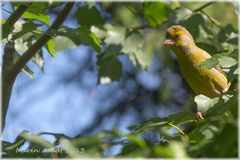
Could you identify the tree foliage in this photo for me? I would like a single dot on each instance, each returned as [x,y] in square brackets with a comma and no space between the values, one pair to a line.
[136,29]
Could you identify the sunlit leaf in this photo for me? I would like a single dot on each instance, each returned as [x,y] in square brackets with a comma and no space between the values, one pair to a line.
[50,47]
[204,103]
[41,17]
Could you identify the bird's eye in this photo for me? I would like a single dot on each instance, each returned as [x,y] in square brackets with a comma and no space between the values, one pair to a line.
[176,36]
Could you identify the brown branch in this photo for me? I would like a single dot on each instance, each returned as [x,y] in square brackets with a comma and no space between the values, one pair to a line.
[17,14]
[9,51]
[42,40]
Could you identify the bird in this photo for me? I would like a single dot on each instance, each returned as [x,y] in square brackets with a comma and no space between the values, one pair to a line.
[211,82]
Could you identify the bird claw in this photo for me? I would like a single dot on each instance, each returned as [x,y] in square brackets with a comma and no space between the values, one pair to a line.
[198,116]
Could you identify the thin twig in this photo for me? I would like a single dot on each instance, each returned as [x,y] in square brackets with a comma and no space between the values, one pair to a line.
[176,128]
[202,7]
[7,11]
[213,20]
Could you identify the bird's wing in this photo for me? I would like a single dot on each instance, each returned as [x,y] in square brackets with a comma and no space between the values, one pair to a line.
[217,67]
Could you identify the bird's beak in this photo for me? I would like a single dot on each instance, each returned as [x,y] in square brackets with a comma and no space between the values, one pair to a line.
[168,42]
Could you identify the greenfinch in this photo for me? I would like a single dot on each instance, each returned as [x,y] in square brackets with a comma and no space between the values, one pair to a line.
[209,82]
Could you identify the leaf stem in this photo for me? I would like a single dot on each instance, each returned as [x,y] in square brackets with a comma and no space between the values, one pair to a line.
[177,128]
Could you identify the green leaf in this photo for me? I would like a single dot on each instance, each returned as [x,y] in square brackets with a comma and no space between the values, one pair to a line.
[110,67]
[193,23]
[38,16]
[87,16]
[225,32]
[138,141]
[50,47]
[155,12]
[37,10]
[227,62]
[209,63]
[89,38]
[82,35]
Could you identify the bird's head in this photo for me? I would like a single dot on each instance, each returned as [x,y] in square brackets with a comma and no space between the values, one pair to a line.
[178,36]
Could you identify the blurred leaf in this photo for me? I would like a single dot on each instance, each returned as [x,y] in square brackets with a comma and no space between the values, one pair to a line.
[225,32]
[223,144]
[115,34]
[192,24]
[138,141]
[87,16]
[109,67]
[209,63]
[224,104]
[227,62]
[70,149]
[79,36]
[50,47]
[131,150]
[155,12]
[113,49]
[63,43]
[179,15]
[26,28]
[173,150]
[204,103]
[132,43]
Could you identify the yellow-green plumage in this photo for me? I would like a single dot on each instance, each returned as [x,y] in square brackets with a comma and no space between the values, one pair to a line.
[209,82]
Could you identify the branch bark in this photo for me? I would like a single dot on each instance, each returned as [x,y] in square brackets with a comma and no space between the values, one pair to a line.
[17,14]
[7,78]
[11,70]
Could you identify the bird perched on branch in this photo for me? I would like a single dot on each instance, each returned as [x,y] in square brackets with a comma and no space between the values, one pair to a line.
[209,82]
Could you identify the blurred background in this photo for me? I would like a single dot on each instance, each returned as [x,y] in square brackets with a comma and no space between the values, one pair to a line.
[70,94]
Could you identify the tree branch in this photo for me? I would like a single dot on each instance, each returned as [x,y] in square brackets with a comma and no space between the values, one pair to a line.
[9,51]
[16,68]
[17,14]
[202,7]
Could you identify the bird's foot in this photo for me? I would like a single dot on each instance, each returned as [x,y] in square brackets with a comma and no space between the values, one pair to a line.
[198,116]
